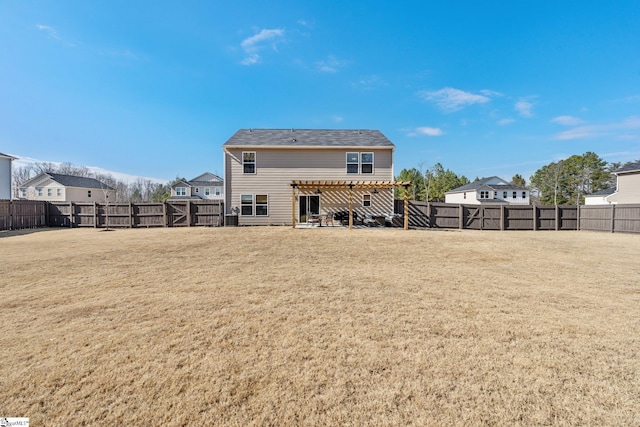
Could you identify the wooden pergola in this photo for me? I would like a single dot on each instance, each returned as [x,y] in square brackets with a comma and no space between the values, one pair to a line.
[349,185]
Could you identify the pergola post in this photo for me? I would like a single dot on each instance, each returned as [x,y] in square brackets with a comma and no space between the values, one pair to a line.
[350,206]
[406,207]
[293,205]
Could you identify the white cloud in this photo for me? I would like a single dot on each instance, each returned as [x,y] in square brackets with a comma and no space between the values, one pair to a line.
[567,120]
[491,93]
[50,31]
[524,108]
[425,131]
[505,122]
[338,119]
[450,99]
[592,131]
[369,83]
[265,38]
[330,65]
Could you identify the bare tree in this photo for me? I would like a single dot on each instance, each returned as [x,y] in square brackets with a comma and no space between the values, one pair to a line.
[20,175]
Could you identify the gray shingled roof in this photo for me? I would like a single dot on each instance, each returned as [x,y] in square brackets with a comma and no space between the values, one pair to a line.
[308,138]
[6,155]
[605,192]
[631,167]
[78,181]
[477,185]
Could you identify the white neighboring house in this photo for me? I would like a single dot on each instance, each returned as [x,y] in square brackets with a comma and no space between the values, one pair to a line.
[599,198]
[5,176]
[627,185]
[55,187]
[207,186]
[488,190]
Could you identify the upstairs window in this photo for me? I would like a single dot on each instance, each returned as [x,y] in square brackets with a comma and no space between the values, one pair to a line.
[484,194]
[218,191]
[24,192]
[181,191]
[197,190]
[504,194]
[207,191]
[515,194]
[248,162]
[359,163]
[366,162]
[39,189]
[49,192]
[88,193]
[524,194]
[59,192]
[352,163]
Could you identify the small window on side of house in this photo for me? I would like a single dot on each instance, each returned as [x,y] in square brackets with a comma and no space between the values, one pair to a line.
[366,200]
[504,194]
[515,194]
[197,190]
[88,193]
[218,191]
[24,192]
[207,191]
[59,192]
[39,190]
[49,192]
[524,194]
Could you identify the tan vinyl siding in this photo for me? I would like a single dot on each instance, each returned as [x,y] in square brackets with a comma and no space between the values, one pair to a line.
[276,168]
[628,190]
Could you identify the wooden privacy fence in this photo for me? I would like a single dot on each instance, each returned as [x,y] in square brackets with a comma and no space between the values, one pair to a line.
[180,213]
[612,218]
[18,214]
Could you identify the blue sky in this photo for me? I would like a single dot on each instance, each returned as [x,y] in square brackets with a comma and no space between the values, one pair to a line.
[154,88]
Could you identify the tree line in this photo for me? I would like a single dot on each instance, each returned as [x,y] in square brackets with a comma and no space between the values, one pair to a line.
[563,182]
[140,190]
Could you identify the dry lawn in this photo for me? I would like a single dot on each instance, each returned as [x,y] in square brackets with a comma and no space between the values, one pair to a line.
[274,326]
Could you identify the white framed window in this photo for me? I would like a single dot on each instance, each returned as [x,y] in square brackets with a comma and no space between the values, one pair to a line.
[515,194]
[524,194]
[504,194]
[464,196]
[88,193]
[24,192]
[249,162]
[207,191]
[197,190]
[218,191]
[352,163]
[39,190]
[49,192]
[495,194]
[366,163]
[484,194]
[59,192]
[366,200]
[181,191]
[246,205]
[262,205]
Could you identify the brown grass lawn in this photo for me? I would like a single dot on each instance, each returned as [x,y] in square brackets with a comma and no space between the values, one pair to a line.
[274,326]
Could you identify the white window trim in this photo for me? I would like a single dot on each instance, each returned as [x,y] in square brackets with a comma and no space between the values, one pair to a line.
[364,199]
[362,164]
[181,191]
[253,201]
[347,163]
[207,191]
[254,163]
[256,204]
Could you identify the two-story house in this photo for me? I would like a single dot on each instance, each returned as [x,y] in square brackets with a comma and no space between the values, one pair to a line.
[627,185]
[488,190]
[285,176]
[5,176]
[55,187]
[207,186]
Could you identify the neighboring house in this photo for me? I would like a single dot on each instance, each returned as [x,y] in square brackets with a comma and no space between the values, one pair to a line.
[627,185]
[264,166]
[599,198]
[5,176]
[55,187]
[488,190]
[206,186]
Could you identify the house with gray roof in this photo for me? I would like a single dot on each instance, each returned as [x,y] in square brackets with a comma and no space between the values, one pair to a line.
[487,191]
[627,190]
[207,186]
[55,187]
[285,176]
[5,176]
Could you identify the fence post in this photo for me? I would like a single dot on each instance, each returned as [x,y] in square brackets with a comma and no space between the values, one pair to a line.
[70,214]
[188,213]
[164,213]
[10,214]
[502,218]
[577,217]
[130,215]
[557,217]
[460,217]
[95,214]
[535,218]
[613,218]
